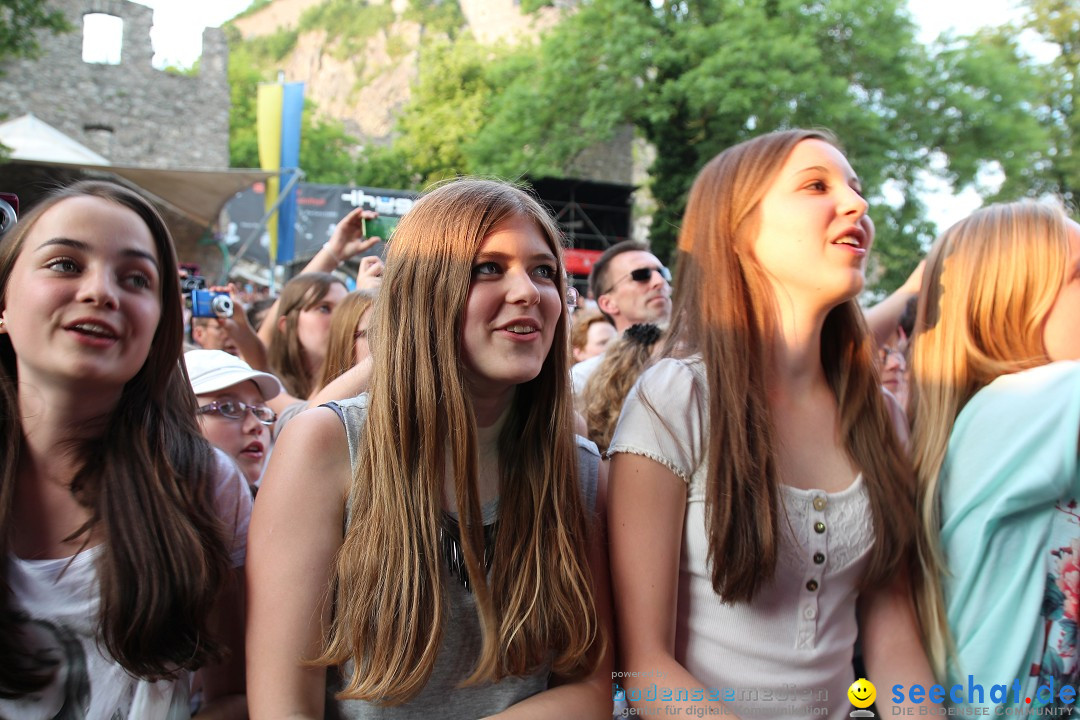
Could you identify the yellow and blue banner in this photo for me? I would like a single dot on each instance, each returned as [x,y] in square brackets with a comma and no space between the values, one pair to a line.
[279,108]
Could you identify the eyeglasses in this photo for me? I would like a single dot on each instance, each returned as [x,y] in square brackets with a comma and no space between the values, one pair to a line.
[572,296]
[641,275]
[887,351]
[234,410]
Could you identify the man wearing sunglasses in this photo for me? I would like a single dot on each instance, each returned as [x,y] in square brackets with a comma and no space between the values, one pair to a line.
[630,286]
[232,409]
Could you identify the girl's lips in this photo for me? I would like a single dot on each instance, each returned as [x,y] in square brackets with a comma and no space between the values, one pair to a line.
[93,326]
[522,329]
[519,337]
[92,332]
[91,340]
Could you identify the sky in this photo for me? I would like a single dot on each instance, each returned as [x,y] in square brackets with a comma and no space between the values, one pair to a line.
[178,26]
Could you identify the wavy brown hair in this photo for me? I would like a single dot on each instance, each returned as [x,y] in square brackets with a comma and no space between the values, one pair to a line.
[538,605]
[147,481]
[990,282]
[341,349]
[724,310]
[606,389]
[286,355]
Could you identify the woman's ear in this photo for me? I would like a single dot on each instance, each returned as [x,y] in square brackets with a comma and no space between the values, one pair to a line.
[281,322]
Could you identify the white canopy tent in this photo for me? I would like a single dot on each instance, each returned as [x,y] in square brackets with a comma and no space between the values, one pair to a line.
[196,195]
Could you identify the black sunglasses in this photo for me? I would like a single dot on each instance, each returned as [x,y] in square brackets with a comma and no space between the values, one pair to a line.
[641,275]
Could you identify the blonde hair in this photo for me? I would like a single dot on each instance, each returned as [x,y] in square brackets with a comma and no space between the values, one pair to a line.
[341,349]
[724,309]
[538,605]
[989,284]
[606,389]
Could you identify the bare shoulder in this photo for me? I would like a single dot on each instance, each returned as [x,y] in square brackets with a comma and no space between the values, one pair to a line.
[311,457]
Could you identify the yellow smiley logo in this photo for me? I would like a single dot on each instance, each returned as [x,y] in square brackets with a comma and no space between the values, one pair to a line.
[862,693]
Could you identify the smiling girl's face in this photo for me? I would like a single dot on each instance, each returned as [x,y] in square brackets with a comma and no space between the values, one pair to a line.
[84,298]
[513,307]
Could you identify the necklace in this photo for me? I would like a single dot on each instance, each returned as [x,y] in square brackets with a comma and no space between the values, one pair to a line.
[450,539]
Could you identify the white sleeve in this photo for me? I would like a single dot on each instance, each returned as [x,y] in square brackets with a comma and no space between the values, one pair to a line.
[663,418]
[232,499]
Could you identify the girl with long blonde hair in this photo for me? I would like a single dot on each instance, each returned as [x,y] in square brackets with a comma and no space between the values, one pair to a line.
[995,404]
[471,568]
[347,345]
[756,470]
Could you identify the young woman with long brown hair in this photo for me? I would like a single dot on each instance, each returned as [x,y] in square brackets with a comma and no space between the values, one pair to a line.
[121,529]
[301,330]
[347,345]
[470,572]
[757,478]
[995,404]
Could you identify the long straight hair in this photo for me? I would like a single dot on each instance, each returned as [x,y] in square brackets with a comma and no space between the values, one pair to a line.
[538,605]
[341,348]
[147,482]
[989,283]
[724,310]
[286,355]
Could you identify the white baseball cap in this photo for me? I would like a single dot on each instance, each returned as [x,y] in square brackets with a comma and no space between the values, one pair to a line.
[213,370]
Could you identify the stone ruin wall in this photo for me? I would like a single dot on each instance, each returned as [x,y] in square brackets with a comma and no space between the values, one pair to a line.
[131,113]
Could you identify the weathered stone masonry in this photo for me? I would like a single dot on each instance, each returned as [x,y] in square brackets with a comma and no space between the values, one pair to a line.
[131,113]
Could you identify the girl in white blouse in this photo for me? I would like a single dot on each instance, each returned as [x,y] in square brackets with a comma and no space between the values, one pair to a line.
[759,492]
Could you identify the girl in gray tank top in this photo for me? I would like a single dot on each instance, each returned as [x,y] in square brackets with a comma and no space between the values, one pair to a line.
[437,543]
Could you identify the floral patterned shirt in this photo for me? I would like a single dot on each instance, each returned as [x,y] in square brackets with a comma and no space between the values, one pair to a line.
[1011,536]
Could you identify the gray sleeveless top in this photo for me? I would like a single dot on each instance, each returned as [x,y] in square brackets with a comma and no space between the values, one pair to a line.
[460,648]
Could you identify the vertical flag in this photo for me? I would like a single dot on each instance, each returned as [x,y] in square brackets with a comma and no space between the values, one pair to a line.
[292,109]
[279,108]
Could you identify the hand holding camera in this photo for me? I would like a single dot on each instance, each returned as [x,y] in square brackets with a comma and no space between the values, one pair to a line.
[350,237]
[211,304]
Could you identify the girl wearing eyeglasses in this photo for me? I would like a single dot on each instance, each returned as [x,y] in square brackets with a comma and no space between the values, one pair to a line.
[756,471]
[122,532]
[437,540]
[233,413]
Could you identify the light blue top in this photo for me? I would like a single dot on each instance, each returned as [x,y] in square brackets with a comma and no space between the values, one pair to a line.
[1011,533]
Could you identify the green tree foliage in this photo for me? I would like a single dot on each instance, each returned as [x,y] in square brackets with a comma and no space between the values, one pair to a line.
[693,79]
[696,77]
[1058,22]
[348,23]
[327,152]
[438,16]
[449,107]
[999,105]
[20,21]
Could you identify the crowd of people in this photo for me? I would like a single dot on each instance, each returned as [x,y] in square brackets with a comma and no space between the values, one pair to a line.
[459,491]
